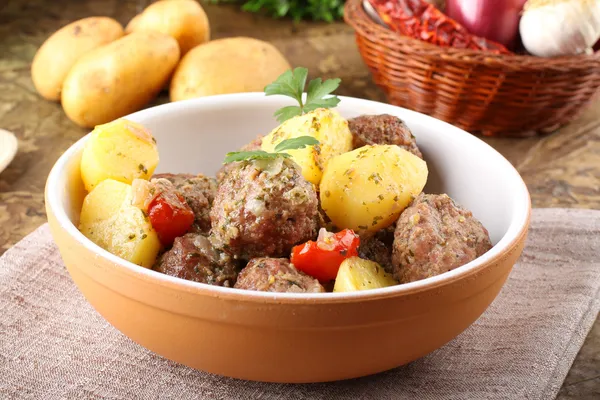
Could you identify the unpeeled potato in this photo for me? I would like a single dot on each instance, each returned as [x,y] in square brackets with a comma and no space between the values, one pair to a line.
[119,78]
[184,20]
[57,55]
[109,220]
[121,150]
[230,65]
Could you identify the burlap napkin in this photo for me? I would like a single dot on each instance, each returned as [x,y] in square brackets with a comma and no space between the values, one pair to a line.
[54,345]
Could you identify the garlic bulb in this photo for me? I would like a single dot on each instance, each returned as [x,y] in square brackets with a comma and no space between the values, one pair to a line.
[552,28]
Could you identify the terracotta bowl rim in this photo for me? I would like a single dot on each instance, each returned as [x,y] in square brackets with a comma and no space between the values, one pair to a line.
[515,233]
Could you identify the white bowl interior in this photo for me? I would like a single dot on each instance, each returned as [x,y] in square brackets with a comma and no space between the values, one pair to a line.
[193,136]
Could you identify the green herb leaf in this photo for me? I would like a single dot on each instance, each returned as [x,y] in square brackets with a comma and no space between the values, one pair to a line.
[251,155]
[317,89]
[288,144]
[292,83]
[330,102]
[296,143]
[285,113]
[324,10]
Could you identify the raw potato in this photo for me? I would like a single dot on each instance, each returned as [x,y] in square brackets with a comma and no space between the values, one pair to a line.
[185,20]
[230,65]
[121,150]
[59,52]
[367,189]
[109,220]
[358,274]
[327,126]
[119,78]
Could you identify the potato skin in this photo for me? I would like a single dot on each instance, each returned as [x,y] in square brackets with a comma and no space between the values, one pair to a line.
[367,189]
[327,126]
[118,78]
[121,150]
[57,55]
[230,65]
[109,220]
[184,20]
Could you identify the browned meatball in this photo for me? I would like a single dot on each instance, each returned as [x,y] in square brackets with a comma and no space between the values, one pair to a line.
[276,275]
[193,258]
[375,249]
[199,193]
[435,235]
[252,146]
[263,208]
[382,129]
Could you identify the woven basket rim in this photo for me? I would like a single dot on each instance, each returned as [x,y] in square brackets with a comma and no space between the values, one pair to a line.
[360,21]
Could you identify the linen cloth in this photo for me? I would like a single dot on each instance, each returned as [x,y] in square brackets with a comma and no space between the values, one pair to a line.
[53,344]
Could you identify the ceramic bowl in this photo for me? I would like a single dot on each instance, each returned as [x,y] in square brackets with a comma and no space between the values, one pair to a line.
[284,337]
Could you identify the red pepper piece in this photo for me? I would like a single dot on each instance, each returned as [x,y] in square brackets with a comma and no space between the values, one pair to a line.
[322,259]
[421,20]
[170,216]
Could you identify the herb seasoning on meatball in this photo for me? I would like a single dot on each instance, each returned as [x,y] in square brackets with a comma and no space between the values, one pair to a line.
[193,258]
[373,248]
[264,208]
[199,193]
[382,129]
[435,235]
[276,275]
[252,146]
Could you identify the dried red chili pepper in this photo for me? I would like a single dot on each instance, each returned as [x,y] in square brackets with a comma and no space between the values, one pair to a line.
[421,20]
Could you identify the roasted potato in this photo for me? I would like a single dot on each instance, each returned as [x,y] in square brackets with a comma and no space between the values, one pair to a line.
[184,20]
[109,220]
[121,150]
[57,55]
[327,126]
[230,65]
[118,78]
[367,189]
[358,274]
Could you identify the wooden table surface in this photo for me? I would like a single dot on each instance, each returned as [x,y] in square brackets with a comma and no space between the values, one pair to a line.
[561,169]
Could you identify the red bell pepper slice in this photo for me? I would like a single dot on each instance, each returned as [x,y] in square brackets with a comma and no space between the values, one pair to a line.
[321,259]
[170,216]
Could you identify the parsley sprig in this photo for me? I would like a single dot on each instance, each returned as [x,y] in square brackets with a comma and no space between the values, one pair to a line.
[299,142]
[292,84]
[325,10]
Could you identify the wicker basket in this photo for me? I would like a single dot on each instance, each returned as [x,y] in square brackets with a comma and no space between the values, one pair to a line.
[484,93]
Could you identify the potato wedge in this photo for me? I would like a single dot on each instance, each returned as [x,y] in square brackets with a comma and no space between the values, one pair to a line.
[230,65]
[327,126]
[109,220]
[367,189]
[121,150]
[184,20]
[119,78]
[57,55]
[358,274]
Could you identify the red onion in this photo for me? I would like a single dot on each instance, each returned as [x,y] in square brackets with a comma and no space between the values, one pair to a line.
[496,20]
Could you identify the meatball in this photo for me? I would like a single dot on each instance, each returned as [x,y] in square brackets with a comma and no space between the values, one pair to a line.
[382,129]
[199,193]
[375,249]
[193,258]
[435,235]
[263,208]
[276,275]
[252,146]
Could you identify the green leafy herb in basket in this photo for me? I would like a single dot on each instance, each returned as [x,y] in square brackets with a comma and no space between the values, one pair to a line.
[323,10]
